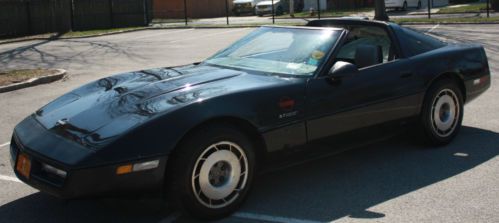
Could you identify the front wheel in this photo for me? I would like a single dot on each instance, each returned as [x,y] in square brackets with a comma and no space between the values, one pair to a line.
[212,171]
[442,112]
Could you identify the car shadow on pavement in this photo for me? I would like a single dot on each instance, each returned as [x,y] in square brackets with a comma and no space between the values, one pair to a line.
[40,207]
[344,185]
[347,184]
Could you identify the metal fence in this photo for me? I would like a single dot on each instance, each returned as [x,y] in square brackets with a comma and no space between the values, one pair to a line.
[28,17]
[229,12]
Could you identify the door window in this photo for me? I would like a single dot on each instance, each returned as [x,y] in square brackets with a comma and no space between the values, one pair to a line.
[366,36]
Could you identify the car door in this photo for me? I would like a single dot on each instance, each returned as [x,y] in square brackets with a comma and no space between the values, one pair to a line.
[372,95]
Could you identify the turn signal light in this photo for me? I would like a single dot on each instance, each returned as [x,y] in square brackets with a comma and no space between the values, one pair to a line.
[124,169]
[128,168]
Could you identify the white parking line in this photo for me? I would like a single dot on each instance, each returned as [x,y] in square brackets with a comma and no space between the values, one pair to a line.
[277,219]
[9,178]
[212,34]
[5,144]
[433,28]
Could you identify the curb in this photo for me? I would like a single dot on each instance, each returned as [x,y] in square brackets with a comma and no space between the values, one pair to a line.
[34,81]
[448,23]
[452,13]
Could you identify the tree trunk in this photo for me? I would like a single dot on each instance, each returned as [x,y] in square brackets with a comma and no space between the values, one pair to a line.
[380,10]
[292,8]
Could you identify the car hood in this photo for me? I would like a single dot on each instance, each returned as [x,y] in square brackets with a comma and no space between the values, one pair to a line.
[125,100]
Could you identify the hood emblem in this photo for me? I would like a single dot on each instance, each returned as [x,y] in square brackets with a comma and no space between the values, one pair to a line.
[61,122]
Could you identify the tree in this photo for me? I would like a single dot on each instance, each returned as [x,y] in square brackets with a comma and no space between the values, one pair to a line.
[380,10]
[292,8]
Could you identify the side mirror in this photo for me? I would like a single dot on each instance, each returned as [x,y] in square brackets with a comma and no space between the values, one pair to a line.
[341,69]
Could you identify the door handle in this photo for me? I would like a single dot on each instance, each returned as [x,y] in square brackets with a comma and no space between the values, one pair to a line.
[406,75]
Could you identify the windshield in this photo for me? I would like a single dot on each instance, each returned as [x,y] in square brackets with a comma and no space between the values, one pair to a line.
[292,51]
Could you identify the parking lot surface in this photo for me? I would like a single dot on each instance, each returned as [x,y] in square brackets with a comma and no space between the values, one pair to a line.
[393,181]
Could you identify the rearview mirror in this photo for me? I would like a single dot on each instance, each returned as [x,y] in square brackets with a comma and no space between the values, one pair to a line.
[341,69]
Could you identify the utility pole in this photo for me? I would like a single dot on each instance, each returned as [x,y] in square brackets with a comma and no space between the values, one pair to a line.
[319,9]
[185,12]
[273,14]
[111,17]
[146,13]
[227,11]
[429,9]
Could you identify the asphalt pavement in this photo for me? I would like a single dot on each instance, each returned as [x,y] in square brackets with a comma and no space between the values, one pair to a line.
[393,181]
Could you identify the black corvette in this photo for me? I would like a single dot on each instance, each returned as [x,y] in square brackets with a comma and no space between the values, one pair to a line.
[198,132]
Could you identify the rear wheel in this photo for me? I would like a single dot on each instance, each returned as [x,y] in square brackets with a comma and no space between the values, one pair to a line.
[442,112]
[211,172]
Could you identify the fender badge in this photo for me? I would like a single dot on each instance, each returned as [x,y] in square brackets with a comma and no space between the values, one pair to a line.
[288,115]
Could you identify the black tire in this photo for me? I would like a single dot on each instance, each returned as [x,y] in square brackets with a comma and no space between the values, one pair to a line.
[442,112]
[404,7]
[184,189]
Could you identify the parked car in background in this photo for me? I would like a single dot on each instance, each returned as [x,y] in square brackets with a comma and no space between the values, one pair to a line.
[280,7]
[402,4]
[244,6]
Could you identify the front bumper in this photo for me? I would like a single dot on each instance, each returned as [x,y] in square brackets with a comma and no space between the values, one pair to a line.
[84,181]
[264,10]
[393,5]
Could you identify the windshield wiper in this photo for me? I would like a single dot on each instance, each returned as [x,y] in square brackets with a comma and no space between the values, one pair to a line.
[178,72]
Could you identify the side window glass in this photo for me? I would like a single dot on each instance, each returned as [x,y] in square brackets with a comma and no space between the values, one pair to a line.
[366,36]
